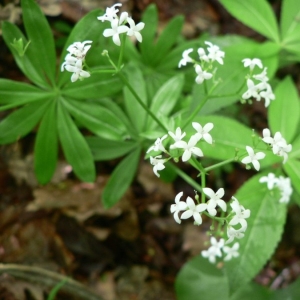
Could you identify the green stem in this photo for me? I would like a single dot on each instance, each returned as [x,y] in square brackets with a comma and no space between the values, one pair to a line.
[185,177]
[123,42]
[140,101]
[203,183]
[215,166]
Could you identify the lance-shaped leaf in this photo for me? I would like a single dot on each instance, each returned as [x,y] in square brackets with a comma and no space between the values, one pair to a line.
[76,149]
[292,168]
[21,121]
[26,63]
[97,119]
[256,14]
[45,148]
[265,227]
[121,179]
[41,49]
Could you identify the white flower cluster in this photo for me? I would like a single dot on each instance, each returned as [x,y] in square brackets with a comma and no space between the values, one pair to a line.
[189,148]
[118,24]
[214,54]
[215,250]
[283,183]
[260,89]
[253,158]
[75,58]
[278,144]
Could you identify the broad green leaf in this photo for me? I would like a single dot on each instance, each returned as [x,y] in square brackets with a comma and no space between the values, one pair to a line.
[26,63]
[256,14]
[150,19]
[284,111]
[167,39]
[265,227]
[21,121]
[295,153]
[103,149]
[121,179]
[252,291]
[88,28]
[41,48]
[199,279]
[76,149]
[135,111]
[96,86]
[14,93]
[45,148]
[165,99]
[292,168]
[97,119]
[289,21]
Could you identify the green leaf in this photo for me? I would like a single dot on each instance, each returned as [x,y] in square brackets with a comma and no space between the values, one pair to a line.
[150,19]
[165,99]
[97,119]
[135,111]
[292,168]
[199,279]
[121,179]
[45,148]
[289,21]
[252,290]
[41,48]
[295,153]
[284,111]
[103,149]
[88,28]
[26,63]
[21,121]
[96,86]
[265,226]
[14,93]
[167,39]
[256,14]
[76,149]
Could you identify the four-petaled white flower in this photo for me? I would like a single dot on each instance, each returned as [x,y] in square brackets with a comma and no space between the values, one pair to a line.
[76,69]
[262,76]
[201,75]
[231,252]
[268,95]
[194,210]
[203,132]
[214,250]
[251,63]
[252,91]
[234,233]
[202,55]
[158,164]
[214,53]
[189,148]
[271,180]
[158,146]
[79,49]
[110,13]
[253,158]
[134,30]
[115,31]
[178,206]
[177,136]
[215,200]
[240,214]
[185,58]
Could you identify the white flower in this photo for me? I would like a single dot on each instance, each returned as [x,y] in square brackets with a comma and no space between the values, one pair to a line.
[177,136]
[214,53]
[185,58]
[253,158]
[215,200]
[194,210]
[231,252]
[110,14]
[262,76]
[115,30]
[234,233]
[189,148]
[214,250]
[285,188]
[158,164]
[268,95]
[158,146]
[79,49]
[252,91]
[134,29]
[271,180]
[202,75]
[203,132]
[252,63]
[178,206]
[240,214]
[78,73]
[202,55]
